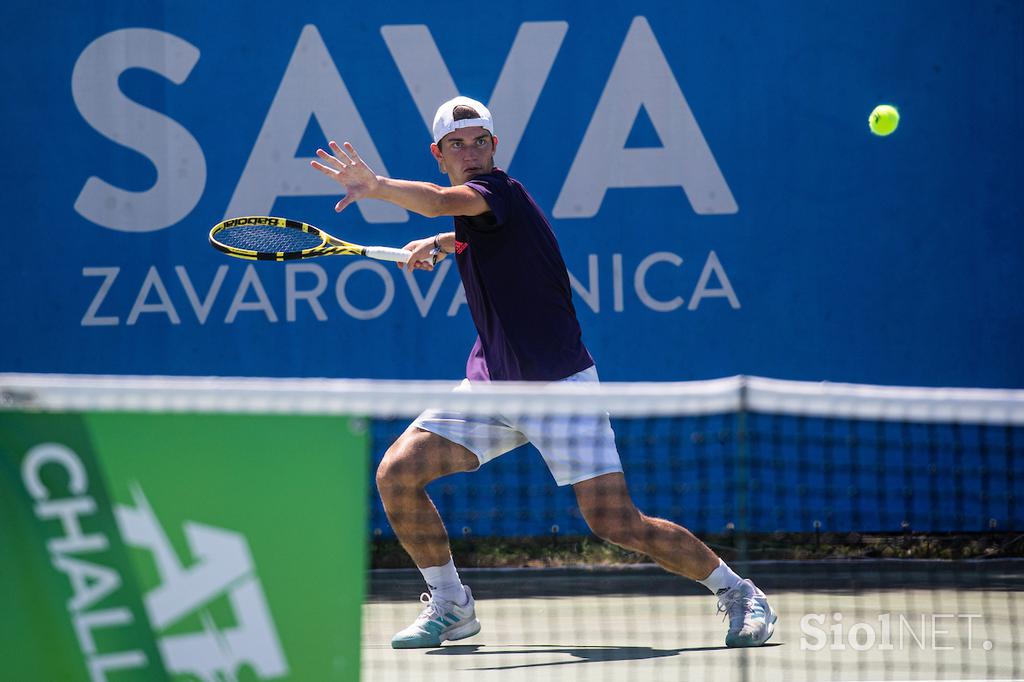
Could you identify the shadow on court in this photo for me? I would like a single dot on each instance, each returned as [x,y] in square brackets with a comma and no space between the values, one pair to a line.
[580,654]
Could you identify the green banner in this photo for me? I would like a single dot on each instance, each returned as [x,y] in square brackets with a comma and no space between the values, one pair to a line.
[182,547]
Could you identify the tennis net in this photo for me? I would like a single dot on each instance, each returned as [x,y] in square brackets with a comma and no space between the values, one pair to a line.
[883,523]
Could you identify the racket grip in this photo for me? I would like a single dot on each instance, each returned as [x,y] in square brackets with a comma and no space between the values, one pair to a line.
[388,253]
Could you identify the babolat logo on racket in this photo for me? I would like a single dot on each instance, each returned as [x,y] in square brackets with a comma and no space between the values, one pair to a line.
[252,220]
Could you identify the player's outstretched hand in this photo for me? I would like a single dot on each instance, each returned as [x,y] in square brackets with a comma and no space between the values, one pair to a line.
[424,255]
[348,170]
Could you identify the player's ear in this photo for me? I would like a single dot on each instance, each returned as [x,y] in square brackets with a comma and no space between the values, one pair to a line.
[436,151]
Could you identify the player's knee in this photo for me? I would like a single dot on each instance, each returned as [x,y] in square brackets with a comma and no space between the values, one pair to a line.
[396,471]
[403,467]
[385,476]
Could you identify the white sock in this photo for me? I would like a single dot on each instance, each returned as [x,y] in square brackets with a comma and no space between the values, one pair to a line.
[722,578]
[444,583]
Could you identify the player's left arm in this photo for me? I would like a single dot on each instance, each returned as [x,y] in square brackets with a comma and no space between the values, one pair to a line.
[430,200]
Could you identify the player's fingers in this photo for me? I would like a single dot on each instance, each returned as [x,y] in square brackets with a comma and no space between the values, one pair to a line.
[341,152]
[340,206]
[352,153]
[333,162]
[330,172]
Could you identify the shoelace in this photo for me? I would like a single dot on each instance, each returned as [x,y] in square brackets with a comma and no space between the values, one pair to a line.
[432,610]
[732,604]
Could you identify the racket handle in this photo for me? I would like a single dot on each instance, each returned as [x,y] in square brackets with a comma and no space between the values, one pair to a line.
[388,253]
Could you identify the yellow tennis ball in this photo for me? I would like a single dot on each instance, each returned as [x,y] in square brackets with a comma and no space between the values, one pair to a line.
[884,119]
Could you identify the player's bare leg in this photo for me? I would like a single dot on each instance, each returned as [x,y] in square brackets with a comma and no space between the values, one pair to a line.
[608,508]
[417,458]
[609,511]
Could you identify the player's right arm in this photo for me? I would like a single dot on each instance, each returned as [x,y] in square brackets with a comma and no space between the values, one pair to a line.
[429,251]
[430,200]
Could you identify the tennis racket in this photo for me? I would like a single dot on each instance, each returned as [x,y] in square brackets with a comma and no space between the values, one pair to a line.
[269,238]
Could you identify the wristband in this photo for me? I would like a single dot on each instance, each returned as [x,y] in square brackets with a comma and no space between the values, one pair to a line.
[436,250]
[437,245]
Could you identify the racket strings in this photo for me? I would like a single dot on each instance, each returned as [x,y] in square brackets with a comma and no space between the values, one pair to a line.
[267,238]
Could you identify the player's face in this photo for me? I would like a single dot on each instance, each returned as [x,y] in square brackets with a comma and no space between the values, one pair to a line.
[465,153]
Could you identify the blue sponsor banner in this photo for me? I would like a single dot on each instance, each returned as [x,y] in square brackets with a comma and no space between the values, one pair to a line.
[707,167]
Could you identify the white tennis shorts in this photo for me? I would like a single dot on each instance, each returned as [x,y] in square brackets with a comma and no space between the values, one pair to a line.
[575,448]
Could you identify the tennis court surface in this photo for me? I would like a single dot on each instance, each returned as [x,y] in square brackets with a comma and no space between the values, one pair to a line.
[911,620]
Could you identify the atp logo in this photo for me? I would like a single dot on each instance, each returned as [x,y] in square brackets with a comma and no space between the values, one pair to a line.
[223,567]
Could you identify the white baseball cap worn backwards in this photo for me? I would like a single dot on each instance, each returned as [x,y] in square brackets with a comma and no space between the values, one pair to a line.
[444,119]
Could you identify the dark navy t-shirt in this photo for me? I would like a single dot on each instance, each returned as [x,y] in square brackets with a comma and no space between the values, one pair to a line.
[517,288]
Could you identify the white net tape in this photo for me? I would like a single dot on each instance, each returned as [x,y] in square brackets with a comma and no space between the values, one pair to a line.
[63,392]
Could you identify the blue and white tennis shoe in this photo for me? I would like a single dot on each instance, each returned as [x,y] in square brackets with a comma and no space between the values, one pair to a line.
[751,619]
[441,620]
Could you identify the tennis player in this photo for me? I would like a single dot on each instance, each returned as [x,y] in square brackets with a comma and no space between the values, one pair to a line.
[517,288]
